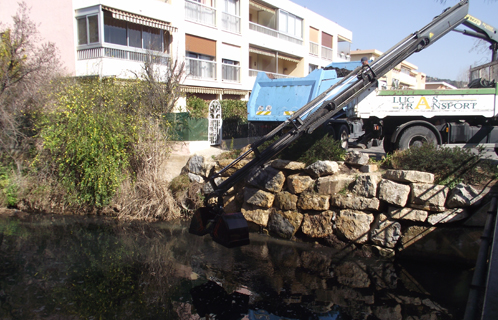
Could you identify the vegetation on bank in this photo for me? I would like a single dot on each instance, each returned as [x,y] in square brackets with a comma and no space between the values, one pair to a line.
[92,145]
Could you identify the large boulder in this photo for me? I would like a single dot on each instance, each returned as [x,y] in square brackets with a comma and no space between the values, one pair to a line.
[287,165]
[463,195]
[286,201]
[322,168]
[350,201]
[448,216]
[334,184]
[298,183]
[356,158]
[394,193]
[409,176]
[430,197]
[354,225]
[255,214]
[258,197]
[385,232]
[311,201]
[285,223]
[318,225]
[366,185]
[268,178]
[407,214]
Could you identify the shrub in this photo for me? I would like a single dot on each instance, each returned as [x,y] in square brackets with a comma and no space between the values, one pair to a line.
[449,165]
[234,109]
[197,107]
[8,187]
[86,139]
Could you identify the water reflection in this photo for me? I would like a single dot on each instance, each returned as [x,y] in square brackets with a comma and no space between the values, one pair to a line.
[91,268]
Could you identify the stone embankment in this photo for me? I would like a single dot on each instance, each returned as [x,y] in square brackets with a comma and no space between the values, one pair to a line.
[352,202]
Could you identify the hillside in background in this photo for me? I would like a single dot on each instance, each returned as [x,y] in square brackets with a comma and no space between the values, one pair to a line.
[458,84]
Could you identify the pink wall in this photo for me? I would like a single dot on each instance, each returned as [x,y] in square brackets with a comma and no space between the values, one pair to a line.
[55,19]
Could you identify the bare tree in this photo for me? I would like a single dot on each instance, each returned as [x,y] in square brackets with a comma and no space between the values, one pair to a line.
[26,65]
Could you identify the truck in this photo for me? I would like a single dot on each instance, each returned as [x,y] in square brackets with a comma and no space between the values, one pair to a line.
[398,119]
[231,229]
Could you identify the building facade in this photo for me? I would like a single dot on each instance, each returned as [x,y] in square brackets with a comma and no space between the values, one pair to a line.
[403,76]
[224,43]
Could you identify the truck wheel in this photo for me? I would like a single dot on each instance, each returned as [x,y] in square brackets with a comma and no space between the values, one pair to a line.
[387,144]
[415,137]
[342,135]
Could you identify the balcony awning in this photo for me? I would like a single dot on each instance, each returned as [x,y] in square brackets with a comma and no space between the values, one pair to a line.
[262,7]
[263,52]
[192,89]
[295,60]
[342,38]
[135,18]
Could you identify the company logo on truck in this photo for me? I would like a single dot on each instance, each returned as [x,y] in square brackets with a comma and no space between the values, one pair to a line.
[434,103]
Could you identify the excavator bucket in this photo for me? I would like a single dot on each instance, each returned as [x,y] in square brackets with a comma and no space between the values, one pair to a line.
[201,221]
[231,230]
[228,229]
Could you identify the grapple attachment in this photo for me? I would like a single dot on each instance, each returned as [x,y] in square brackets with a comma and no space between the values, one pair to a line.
[228,229]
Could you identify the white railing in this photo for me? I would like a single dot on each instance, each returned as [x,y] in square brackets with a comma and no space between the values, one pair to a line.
[274,33]
[271,75]
[314,48]
[202,69]
[200,13]
[230,73]
[230,23]
[103,52]
[327,53]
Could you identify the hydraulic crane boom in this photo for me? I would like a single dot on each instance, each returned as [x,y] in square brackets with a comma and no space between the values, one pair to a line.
[483,31]
[230,230]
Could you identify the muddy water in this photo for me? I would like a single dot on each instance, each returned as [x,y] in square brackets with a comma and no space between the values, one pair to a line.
[61,267]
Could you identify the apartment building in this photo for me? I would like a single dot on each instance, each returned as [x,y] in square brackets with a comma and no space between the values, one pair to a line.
[403,76]
[224,43]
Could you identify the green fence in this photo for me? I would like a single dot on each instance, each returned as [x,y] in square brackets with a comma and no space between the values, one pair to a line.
[186,128]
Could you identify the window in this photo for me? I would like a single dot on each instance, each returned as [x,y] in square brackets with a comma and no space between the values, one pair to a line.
[134,35]
[232,7]
[88,29]
[290,24]
[312,67]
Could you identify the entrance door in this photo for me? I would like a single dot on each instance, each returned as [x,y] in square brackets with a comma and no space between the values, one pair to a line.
[215,123]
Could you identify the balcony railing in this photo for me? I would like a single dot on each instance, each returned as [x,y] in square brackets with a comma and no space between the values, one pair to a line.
[105,52]
[201,69]
[230,22]
[200,13]
[230,73]
[271,75]
[327,53]
[274,33]
[314,48]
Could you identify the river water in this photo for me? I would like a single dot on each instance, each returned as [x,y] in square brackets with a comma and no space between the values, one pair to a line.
[70,267]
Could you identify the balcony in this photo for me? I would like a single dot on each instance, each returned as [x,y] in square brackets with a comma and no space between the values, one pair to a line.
[314,48]
[274,33]
[133,55]
[200,69]
[230,23]
[327,53]
[200,13]
[230,73]
[271,75]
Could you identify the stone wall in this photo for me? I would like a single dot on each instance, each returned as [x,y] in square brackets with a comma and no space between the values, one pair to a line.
[353,202]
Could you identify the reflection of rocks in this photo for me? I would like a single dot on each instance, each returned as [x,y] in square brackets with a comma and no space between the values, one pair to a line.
[352,274]
[384,276]
[388,313]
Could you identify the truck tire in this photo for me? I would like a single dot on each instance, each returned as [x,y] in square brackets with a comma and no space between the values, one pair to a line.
[387,144]
[342,135]
[416,136]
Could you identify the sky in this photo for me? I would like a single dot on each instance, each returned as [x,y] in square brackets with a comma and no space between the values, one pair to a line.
[382,24]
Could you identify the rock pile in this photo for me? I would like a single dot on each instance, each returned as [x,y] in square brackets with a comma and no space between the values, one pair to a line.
[389,210]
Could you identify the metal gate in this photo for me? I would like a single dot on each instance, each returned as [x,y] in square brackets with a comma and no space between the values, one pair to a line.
[215,123]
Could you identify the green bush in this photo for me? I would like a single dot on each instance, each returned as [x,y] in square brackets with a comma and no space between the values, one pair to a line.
[8,187]
[449,165]
[197,107]
[310,148]
[86,139]
[234,109]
